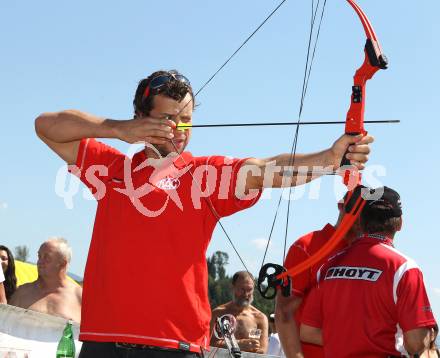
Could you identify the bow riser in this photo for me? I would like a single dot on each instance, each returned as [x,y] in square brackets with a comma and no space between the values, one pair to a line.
[373,62]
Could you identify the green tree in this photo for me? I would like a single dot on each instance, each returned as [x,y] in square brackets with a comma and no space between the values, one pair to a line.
[216,265]
[218,282]
[264,305]
[21,253]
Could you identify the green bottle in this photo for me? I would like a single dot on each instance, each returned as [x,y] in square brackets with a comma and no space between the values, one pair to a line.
[66,345]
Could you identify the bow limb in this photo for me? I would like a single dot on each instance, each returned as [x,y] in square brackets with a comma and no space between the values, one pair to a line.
[374,61]
[353,207]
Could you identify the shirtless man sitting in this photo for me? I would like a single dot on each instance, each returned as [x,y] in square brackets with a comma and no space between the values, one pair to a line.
[249,319]
[52,293]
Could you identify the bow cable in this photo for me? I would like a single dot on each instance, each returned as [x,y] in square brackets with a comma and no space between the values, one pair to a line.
[208,201]
[306,77]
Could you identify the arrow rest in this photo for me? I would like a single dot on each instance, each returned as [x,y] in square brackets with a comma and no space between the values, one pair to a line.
[268,283]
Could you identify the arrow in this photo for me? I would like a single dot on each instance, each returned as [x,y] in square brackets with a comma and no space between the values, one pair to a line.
[183,126]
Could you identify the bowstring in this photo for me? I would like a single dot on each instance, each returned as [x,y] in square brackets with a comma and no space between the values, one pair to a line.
[211,208]
[240,47]
[208,201]
[307,71]
[305,86]
[232,55]
[306,78]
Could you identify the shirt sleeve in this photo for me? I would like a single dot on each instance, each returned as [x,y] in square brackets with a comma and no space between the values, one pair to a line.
[312,313]
[226,191]
[413,307]
[94,163]
[302,282]
[2,275]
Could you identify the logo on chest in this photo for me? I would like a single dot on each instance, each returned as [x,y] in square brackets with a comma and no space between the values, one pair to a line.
[353,273]
[168,183]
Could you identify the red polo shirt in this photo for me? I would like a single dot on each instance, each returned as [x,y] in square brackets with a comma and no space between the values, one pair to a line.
[146,276]
[303,283]
[368,295]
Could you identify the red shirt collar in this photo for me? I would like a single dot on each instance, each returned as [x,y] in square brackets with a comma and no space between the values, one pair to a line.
[179,161]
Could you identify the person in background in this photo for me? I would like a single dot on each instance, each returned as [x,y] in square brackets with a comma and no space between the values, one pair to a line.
[8,268]
[52,293]
[2,288]
[252,327]
[433,351]
[289,309]
[274,346]
[370,300]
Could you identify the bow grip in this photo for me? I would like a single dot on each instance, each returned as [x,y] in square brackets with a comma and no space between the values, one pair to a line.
[344,160]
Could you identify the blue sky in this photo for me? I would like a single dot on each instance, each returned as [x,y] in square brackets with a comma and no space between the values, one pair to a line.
[90,56]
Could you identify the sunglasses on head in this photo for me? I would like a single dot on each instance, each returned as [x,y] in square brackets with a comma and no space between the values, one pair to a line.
[161,80]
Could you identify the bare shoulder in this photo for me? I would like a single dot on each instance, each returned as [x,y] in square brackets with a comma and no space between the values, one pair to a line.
[73,285]
[22,291]
[258,314]
[78,291]
[222,309]
[75,289]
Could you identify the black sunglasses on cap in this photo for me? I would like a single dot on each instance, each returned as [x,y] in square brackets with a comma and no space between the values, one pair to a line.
[161,80]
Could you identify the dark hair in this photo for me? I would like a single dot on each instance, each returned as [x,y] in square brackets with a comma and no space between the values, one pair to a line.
[10,278]
[432,344]
[241,274]
[173,89]
[373,222]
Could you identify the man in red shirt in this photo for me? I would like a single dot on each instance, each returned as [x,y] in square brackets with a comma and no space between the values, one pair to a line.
[289,309]
[142,203]
[370,300]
